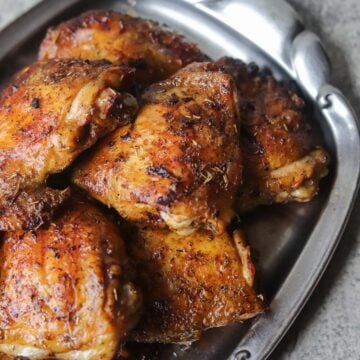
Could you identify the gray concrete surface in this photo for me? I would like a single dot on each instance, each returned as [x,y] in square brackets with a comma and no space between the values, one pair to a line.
[329,326]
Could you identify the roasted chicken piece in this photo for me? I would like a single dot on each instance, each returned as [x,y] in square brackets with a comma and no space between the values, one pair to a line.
[281,163]
[155,52]
[180,163]
[51,112]
[192,283]
[64,291]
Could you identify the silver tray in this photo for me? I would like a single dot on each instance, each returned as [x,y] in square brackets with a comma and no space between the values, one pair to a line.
[295,241]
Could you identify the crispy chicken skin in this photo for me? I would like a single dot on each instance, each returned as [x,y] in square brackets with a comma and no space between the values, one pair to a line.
[154,51]
[192,283]
[280,162]
[63,288]
[180,164]
[51,112]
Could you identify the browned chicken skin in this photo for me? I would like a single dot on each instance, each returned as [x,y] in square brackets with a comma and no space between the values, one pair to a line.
[180,164]
[192,283]
[63,288]
[51,112]
[154,51]
[280,162]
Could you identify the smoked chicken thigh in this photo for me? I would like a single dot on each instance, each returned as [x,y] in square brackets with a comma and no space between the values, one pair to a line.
[64,291]
[281,163]
[180,163]
[192,283]
[154,51]
[49,113]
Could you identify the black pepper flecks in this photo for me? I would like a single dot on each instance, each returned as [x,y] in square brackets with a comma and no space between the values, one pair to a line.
[35,103]
[167,199]
[160,171]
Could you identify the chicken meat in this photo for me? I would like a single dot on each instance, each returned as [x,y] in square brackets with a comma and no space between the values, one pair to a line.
[64,288]
[180,163]
[51,112]
[281,161]
[192,283]
[154,51]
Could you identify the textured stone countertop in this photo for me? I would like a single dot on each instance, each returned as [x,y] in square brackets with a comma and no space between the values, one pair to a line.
[329,326]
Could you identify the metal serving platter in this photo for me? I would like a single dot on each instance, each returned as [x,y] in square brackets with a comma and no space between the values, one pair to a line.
[296,241]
